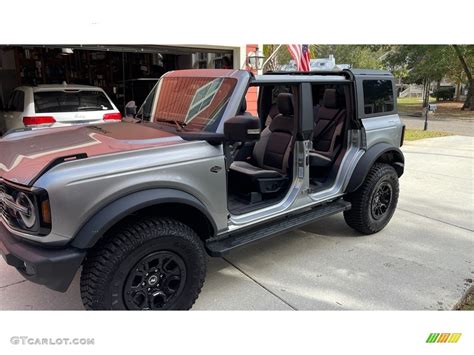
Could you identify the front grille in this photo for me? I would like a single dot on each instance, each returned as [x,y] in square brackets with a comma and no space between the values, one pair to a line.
[6,213]
[2,205]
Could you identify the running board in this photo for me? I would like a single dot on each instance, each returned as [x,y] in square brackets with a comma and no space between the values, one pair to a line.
[223,244]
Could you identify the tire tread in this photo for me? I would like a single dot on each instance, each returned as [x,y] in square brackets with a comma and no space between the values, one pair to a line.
[102,260]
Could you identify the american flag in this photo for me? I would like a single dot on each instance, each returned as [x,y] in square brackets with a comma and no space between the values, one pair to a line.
[300,54]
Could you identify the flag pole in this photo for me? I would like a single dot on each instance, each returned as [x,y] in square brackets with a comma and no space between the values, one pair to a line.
[271,56]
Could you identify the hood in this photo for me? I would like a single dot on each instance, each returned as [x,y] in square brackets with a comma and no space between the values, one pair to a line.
[24,156]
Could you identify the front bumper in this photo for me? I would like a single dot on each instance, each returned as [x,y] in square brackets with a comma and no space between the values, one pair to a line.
[53,268]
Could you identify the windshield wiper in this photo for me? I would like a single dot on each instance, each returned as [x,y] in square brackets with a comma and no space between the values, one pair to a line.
[89,108]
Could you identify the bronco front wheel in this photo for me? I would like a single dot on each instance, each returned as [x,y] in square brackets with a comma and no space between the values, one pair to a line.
[153,264]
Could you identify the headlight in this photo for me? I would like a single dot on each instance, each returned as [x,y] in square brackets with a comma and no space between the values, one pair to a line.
[26,210]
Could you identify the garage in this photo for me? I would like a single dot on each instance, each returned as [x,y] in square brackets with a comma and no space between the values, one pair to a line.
[125,72]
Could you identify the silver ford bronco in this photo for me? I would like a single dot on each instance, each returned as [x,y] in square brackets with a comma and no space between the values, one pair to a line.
[138,204]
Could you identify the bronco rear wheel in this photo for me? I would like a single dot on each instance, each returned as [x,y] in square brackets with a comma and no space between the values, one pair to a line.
[374,203]
[153,264]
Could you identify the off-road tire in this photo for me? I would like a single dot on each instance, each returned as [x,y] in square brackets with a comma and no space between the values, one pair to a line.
[114,258]
[360,216]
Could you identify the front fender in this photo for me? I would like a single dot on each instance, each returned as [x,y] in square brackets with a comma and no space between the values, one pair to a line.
[379,152]
[111,214]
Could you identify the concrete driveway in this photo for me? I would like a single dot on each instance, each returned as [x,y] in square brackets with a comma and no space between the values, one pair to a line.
[462,126]
[422,260]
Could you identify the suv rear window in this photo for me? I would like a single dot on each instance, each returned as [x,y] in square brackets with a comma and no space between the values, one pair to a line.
[378,96]
[70,101]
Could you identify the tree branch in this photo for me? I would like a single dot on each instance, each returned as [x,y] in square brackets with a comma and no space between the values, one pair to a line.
[463,62]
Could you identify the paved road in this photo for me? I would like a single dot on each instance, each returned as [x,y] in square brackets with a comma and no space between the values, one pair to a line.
[464,127]
[420,261]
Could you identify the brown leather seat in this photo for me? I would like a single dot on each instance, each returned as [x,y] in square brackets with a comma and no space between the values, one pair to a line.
[329,124]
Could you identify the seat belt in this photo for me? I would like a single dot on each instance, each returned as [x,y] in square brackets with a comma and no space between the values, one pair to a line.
[328,126]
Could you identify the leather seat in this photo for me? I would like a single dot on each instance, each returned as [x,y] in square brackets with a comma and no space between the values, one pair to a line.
[268,170]
[328,129]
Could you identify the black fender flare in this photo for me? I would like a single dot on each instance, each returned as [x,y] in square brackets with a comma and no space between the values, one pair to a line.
[115,211]
[376,152]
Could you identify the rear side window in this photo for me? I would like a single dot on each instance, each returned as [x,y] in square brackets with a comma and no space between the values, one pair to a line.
[71,101]
[17,101]
[378,96]
[147,106]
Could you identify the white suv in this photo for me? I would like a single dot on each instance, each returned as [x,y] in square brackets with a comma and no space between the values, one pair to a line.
[56,106]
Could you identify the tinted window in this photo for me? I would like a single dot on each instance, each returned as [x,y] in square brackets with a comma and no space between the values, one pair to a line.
[10,101]
[147,106]
[378,96]
[17,101]
[20,101]
[71,101]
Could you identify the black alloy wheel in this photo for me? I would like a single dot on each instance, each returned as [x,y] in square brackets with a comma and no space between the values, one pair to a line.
[155,282]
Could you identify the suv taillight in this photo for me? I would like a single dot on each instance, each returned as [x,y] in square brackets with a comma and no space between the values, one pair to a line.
[113,116]
[38,120]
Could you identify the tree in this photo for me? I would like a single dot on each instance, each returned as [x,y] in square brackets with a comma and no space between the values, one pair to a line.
[273,64]
[357,56]
[421,64]
[465,54]
[282,56]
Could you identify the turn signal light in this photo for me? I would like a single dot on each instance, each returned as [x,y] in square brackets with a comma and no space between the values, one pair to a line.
[46,212]
[38,120]
[113,116]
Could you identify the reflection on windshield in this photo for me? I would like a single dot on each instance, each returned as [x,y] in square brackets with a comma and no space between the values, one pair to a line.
[194,102]
[202,99]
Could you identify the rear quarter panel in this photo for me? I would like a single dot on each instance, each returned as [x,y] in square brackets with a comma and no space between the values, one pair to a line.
[383,129]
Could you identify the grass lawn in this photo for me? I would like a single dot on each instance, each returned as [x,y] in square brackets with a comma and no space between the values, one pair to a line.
[467,304]
[415,134]
[412,105]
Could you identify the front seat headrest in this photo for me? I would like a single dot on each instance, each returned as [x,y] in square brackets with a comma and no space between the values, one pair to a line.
[330,98]
[285,104]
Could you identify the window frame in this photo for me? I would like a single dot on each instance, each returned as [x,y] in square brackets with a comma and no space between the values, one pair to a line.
[361,94]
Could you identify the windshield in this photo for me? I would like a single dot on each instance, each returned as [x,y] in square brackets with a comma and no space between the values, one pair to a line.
[193,103]
[70,101]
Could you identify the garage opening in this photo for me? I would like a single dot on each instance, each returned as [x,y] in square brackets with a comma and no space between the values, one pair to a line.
[125,73]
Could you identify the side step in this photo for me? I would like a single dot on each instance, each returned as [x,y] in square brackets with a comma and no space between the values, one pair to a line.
[225,243]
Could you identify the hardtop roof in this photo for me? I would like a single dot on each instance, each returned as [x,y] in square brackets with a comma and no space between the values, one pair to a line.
[340,72]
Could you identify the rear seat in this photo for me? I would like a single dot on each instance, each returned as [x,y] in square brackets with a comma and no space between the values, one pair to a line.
[328,128]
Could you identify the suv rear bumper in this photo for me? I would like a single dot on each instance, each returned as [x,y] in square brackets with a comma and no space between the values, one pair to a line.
[53,268]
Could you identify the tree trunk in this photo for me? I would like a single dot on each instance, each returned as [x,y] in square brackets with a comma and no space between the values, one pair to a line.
[469,103]
[426,92]
[458,89]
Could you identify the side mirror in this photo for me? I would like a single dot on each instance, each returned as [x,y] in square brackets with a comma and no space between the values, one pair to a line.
[130,109]
[242,129]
